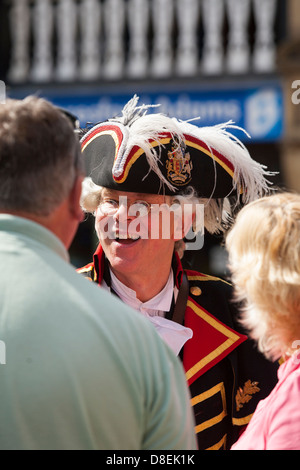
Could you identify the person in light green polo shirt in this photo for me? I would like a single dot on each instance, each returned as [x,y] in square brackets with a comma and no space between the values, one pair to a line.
[82,370]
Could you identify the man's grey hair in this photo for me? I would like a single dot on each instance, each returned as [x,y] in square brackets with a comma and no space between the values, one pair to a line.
[216,213]
[39,156]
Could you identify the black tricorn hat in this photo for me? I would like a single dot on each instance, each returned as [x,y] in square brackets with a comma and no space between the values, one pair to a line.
[156,154]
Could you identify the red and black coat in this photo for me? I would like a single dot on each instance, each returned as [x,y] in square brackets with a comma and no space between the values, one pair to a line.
[226,374]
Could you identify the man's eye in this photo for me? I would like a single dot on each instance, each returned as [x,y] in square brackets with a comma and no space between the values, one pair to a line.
[140,208]
[108,205]
[112,202]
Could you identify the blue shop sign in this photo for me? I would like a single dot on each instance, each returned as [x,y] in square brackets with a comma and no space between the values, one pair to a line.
[258,109]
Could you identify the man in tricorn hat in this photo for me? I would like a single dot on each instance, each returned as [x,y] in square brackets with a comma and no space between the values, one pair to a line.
[150,178]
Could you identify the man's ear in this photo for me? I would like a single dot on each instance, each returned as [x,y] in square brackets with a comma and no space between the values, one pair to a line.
[74,199]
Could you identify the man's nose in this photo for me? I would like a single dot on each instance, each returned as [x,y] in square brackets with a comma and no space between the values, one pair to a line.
[122,212]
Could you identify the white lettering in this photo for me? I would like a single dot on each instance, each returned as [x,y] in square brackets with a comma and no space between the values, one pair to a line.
[170,459]
[2,352]
[115,460]
[167,222]
[296,94]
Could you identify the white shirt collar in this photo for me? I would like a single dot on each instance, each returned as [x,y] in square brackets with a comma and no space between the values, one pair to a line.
[172,333]
[156,306]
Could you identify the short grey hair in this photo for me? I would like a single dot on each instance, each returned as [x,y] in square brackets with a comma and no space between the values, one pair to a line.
[39,156]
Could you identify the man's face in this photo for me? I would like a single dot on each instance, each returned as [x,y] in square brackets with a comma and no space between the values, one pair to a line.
[135,230]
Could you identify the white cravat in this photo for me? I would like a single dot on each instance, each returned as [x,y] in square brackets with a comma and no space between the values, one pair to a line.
[173,334]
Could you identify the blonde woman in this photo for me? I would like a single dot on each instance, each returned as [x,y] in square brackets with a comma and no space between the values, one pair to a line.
[264,257]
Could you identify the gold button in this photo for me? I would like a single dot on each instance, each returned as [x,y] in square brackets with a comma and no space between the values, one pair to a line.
[195,290]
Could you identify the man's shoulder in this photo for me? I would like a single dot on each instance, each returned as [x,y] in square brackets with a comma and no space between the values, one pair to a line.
[214,294]
[209,284]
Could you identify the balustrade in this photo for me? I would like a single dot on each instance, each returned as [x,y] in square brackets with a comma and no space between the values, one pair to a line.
[82,40]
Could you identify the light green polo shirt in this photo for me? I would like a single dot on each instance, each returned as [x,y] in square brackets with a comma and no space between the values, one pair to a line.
[83,370]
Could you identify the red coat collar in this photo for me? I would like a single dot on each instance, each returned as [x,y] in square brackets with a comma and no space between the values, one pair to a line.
[99,258]
[211,342]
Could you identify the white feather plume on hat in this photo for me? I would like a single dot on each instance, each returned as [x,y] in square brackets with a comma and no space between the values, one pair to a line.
[249,175]
[249,179]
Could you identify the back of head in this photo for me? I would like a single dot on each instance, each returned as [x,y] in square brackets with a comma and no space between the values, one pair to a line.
[39,156]
[264,257]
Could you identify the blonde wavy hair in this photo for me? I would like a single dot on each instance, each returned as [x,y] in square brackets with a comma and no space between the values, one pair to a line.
[264,259]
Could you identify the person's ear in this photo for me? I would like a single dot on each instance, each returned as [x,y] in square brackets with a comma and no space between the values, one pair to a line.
[74,198]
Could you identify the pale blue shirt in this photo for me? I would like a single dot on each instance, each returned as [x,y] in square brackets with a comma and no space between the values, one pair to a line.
[83,370]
